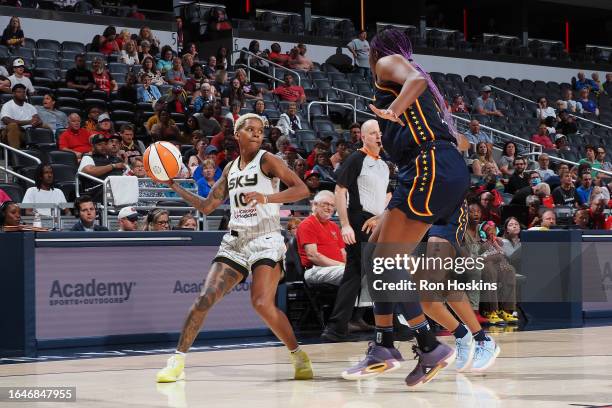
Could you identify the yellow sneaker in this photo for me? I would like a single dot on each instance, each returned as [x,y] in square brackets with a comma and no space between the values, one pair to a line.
[508,317]
[493,318]
[173,370]
[302,366]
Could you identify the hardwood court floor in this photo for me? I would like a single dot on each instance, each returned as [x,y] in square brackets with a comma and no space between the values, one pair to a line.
[555,368]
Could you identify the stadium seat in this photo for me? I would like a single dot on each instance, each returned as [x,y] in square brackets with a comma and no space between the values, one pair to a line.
[4,52]
[129,116]
[322,125]
[64,101]
[24,52]
[30,43]
[52,54]
[15,191]
[118,68]
[63,173]
[48,44]
[40,138]
[120,105]
[73,46]
[17,161]
[63,157]
[89,102]
[70,110]
[36,100]
[45,63]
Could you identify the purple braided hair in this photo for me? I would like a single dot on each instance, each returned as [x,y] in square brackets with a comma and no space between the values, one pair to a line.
[393,41]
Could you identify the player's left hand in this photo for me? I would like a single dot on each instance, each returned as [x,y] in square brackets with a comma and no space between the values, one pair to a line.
[370,224]
[387,114]
[254,198]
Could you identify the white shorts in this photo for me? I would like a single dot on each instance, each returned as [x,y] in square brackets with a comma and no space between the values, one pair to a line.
[244,254]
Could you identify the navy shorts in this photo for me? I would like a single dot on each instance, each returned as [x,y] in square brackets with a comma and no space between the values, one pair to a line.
[454,230]
[433,185]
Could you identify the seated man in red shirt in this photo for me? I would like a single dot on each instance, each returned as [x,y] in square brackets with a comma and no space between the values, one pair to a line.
[276,56]
[542,137]
[320,243]
[75,138]
[288,91]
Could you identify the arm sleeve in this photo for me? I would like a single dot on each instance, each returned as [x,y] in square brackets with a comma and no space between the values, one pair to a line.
[348,171]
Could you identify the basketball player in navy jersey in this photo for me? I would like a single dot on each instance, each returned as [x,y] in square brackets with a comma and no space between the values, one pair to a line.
[419,135]
[253,245]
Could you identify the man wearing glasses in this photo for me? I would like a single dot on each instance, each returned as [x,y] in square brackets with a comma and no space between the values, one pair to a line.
[601,159]
[128,219]
[485,105]
[320,243]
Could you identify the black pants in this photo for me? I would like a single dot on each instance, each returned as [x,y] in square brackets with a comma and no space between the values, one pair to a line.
[351,280]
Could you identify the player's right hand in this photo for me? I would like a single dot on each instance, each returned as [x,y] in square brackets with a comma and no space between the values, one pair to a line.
[348,235]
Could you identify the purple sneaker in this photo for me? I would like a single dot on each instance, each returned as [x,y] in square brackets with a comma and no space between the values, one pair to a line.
[430,364]
[378,360]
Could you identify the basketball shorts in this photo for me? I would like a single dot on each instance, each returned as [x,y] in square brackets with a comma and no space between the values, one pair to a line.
[454,230]
[246,253]
[433,185]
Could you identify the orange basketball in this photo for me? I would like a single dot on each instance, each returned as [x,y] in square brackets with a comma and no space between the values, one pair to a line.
[162,161]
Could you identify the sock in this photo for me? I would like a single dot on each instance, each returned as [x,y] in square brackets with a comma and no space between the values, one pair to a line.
[424,337]
[180,353]
[384,336]
[296,350]
[460,331]
[480,335]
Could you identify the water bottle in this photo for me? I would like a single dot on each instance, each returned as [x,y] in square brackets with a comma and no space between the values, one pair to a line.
[37,220]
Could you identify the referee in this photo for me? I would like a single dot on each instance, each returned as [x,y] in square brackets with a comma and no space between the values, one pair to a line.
[364,177]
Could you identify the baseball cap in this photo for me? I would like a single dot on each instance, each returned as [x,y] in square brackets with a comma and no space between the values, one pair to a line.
[559,136]
[103,117]
[310,173]
[291,149]
[115,136]
[18,62]
[485,88]
[98,138]
[129,213]
[211,149]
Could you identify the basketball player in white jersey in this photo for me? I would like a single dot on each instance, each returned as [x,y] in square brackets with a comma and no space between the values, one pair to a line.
[253,245]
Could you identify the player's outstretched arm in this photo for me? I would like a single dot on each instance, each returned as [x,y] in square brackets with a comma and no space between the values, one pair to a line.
[275,167]
[218,194]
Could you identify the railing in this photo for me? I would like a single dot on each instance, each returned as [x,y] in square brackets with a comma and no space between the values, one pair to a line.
[274,65]
[534,102]
[56,212]
[8,171]
[327,104]
[355,110]
[104,193]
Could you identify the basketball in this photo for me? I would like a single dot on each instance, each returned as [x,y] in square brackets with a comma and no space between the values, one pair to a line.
[162,161]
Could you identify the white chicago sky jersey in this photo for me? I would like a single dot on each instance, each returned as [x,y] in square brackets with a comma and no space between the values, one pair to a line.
[247,220]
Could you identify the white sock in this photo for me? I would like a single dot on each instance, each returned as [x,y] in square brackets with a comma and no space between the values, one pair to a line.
[179,353]
[296,350]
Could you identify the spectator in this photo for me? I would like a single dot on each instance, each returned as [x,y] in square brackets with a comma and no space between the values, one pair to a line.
[128,149]
[153,120]
[175,75]
[355,134]
[129,53]
[259,109]
[13,36]
[543,111]
[292,225]
[289,92]
[360,48]
[207,124]
[489,211]
[597,218]
[459,106]
[289,122]
[52,118]
[177,100]
[519,178]
[192,50]
[590,159]
[567,124]
[164,64]
[549,220]
[79,77]
[75,139]
[584,83]
[542,137]
[506,162]
[250,90]
[483,155]
[472,245]
[10,214]
[196,81]
[195,136]
[165,129]
[276,56]
[105,126]
[340,61]
[102,77]
[217,22]
[191,127]
[534,187]
[311,178]
[320,243]
[205,97]
[324,167]
[100,165]
[598,88]
[187,222]
[561,143]
[511,242]
[222,61]
[43,192]
[226,132]
[148,67]
[274,136]
[187,63]
[581,218]
[18,76]
[543,170]
[338,157]
[235,109]
[601,159]
[148,92]
[298,59]
[158,220]
[209,153]
[572,105]
[129,91]
[16,116]
[234,93]
[91,123]
[588,105]
[208,178]
[475,135]
[85,210]
[128,219]
[583,192]
[108,41]
[145,51]
[601,186]
[607,86]
[300,167]
[135,14]
[146,35]
[485,104]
